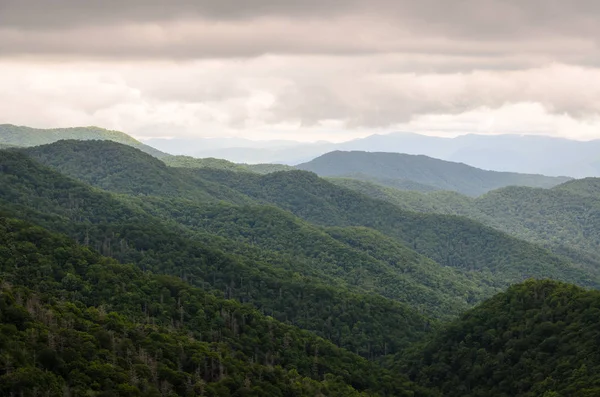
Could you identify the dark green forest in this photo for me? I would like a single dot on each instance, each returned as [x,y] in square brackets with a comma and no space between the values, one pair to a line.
[122,275]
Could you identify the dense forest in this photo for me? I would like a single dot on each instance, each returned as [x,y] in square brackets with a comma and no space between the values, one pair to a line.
[72,321]
[564,219]
[122,274]
[539,338]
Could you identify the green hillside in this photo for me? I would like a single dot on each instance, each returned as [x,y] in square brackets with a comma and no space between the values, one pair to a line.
[74,322]
[540,338]
[125,169]
[585,186]
[395,169]
[122,227]
[192,162]
[564,219]
[491,258]
[26,136]
[473,249]
[358,259]
[123,276]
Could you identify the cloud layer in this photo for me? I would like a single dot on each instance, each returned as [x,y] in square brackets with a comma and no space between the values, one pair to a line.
[314,67]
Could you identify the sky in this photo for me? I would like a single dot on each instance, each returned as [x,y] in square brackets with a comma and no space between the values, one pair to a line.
[302,70]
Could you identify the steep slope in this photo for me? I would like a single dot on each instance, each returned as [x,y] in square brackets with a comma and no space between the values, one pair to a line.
[27,136]
[442,175]
[540,338]
[119,226]
[73,322]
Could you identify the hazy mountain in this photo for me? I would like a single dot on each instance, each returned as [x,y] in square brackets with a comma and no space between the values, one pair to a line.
[512,153]
[25,137]
[227,148]
[393,169]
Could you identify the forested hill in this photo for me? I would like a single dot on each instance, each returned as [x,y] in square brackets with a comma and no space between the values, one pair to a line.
[280,284]
[565,219]
[472,249]
[27,136]
[192,162]
[457,242]
[122,276]
[75,323]
[540,338]
[124,169]
[585,186]
[394,169]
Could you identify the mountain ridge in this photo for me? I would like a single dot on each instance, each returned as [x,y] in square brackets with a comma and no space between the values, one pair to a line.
[387,167]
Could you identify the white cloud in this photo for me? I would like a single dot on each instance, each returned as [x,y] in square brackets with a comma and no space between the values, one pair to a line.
[298,97]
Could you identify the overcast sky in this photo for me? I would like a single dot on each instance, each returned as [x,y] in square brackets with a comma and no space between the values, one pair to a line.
[305,70]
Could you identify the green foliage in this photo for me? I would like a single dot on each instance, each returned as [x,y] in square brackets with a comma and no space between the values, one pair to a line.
[192,162]
[267,168]
[540,338]
[395,169]
[565,219]
[359,259]
[124,169]
[378,186]
[125,228]
[489,256]
[74,322]
[584,187]
[286,284]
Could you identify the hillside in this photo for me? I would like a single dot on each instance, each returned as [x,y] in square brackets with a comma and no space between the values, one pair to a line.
[359,259]
[564,219]
[392,169]
[75,322]
[125,169]
[490,257]
[130,277]
[468,246]
[585,186]
[123,228]
[27,136]
[539,338]
[211,162]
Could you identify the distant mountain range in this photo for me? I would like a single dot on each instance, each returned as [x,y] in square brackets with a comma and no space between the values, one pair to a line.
[511,153]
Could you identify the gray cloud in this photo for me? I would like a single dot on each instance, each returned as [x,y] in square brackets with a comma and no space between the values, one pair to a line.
[187,29]
[252,64]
